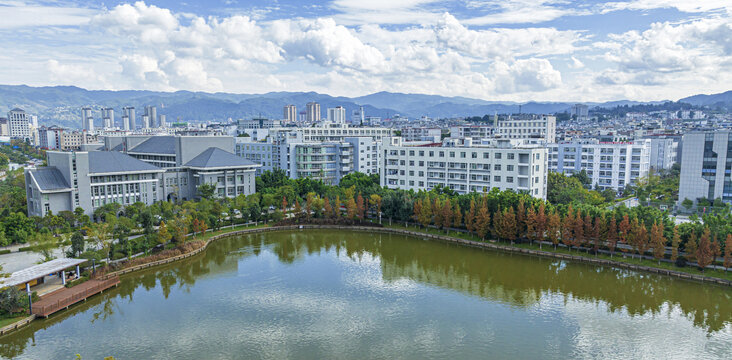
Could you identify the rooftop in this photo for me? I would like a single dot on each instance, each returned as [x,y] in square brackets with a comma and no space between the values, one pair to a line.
[214,157]
[156,145]
[37,271]
[49,179]
[102,162]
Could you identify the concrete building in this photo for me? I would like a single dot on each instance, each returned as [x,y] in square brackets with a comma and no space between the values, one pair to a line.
[108,118]
[706,166]
[338,132]
[475,132]
[540,127]
[90,180]
[50,137]
[313,112]
[337,115]
[87,119]
[72,140]
[422,134]
[19,124]
[131,123]
[290,113]
[609,165]
[464,166]
[358,117]
[580,112]
[664,153]
[152,116]
[366,154]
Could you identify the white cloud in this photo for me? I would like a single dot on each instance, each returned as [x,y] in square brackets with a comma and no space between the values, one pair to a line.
[576,63]
[16,15]
[681,5]
[73,74]
[521,11]
[525,76]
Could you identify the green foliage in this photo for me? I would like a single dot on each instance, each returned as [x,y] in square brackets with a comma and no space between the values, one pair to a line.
[207,191]
[77,243]
[44,243]
[563,189]
[12,300]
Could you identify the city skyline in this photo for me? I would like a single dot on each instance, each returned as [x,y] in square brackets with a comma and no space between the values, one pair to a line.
[504,51]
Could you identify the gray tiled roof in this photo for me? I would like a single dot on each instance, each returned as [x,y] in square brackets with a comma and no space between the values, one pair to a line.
[49,178]
[111,162]
[156,145]
[214,157]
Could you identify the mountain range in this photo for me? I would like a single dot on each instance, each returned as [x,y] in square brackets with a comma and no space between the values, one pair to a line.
[60,105]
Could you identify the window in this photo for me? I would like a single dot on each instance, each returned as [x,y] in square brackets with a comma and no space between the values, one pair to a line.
[496,178]
[497,167]
[498,156]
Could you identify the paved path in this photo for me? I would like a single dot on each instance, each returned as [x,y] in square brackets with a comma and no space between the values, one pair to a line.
[20,260]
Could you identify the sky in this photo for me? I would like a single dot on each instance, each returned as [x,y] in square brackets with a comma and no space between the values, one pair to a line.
[503,50]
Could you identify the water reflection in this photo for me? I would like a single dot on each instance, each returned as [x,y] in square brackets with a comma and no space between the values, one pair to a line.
[516,281]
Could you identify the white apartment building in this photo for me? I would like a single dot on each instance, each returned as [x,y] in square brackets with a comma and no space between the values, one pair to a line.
[465,167]
[19,124]
[532,127]
[87,119]
[422,134]
[366,153]
[609,165]
[664,152]
[290,113]
[475,132]
[706,166]
[337,115]
[337,132]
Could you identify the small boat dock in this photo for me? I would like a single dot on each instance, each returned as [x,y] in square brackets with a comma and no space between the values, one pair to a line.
[65,297]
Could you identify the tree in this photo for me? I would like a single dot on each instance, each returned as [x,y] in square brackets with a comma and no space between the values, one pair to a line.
[704,254]
[728,252]
[337,207]
[510,225]
[437,212]
[298,209]
[309,205]
[351,208]
[639,237]
[541,223]
[596,230]
[178,230]
[567,228]
[624,234]
[446,215]
[578,231]
[207,191]
[658,242]
[284,204]
[376,203]
[77,243]
[612,236]
[457,216]
[360,207]
[588,230]
[521,218]
[425,212]
[100,234]
[553,228]
[531,233]
[687,204]
[163,234]
[470,217]
[11,300]
[675,244]
[328,209]
[44,243]
[691,248]
[482,221]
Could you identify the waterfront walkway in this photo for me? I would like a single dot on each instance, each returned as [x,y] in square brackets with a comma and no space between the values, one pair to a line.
[65,297]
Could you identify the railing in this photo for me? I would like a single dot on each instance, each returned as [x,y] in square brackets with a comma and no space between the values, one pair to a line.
[46,309]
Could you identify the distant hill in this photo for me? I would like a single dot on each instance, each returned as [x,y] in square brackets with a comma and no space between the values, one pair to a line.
[60,104]
[723,100]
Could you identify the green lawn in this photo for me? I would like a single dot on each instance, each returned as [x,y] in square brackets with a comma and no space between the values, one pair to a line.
[9,320]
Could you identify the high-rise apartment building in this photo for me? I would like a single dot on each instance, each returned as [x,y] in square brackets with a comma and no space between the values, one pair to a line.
[313,111]
[108,118]
[152,116]
[706,166]
[337,115]
[18,124]
[129,111]
[290,113]
[87,119]
[580,112]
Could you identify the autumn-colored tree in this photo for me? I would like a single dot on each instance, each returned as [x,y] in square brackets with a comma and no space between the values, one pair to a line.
[284,205]
[639,237]
[531,233]
[446,215]
[691,247]
[376,203]
[437,212]
[553,228]
[596,230]
[521,218]
[298,209]
[417,210]
[588,230]
[425,214]
[328,209]
[482,222]
[567,228]
[457,216]
[203,227]
[360,207]
[624,234]
[675,244]
[728,252]
[337,207]
[351,209]
[195,226]
[612,235]
[658,241]
[309,199]
[509,224]
[163,234]
[716,250]
[470,217]
[541,222]
[704,254]
[579,231]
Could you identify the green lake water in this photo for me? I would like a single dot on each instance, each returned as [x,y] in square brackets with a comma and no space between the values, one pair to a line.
[326,294]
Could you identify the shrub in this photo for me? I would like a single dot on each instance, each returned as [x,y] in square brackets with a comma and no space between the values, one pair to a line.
[6,251]
[680,261]
[25,248]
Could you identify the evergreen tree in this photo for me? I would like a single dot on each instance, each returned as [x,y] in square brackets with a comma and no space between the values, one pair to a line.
[425,215]
[521,218]
[446,214]
[690,247]
[510,224]
[704,252]
[482,222]
[457,216]
[612,236]
[328,209]
[658,242]
[351,209]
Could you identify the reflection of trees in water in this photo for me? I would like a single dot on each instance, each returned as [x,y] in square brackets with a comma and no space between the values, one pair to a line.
[513,279]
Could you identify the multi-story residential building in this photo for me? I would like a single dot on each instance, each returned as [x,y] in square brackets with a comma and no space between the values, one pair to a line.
[609,165]
[90,180]
[4,129]
[465,167]
[422,134]
[543,127]
[664,152]
[338,132]
[337,115]
[706,166]
[152,116]
[19,124]
[50,137]
[358,117]
[290,113]
[325,161]
[72,140]
[108,118]
[191,161]
[87,119]
[130,123]
[313,112]
[366,154]
[475,132]
[256,123]
[580,112]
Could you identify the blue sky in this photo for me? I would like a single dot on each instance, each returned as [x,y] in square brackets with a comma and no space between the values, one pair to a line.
[517,50]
